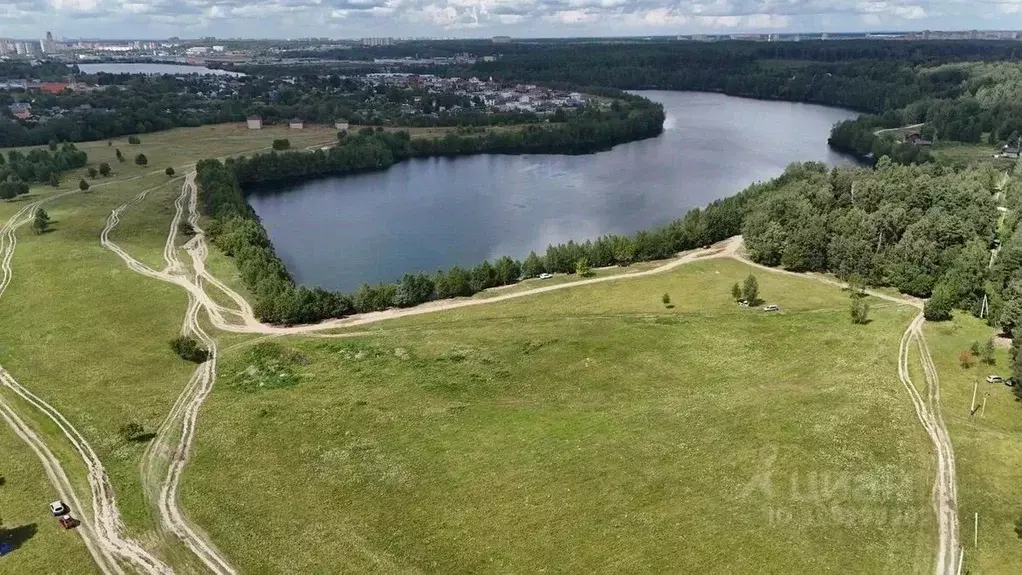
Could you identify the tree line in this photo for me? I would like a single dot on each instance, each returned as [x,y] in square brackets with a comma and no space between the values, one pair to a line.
[924,230]
[42,165]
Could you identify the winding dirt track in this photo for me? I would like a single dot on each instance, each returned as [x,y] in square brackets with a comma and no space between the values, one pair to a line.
[103,533]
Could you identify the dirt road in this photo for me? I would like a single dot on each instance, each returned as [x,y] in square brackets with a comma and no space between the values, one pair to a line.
[103,533]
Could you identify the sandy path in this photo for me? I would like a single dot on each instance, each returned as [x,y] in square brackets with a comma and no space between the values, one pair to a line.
[103,533]
[168,448]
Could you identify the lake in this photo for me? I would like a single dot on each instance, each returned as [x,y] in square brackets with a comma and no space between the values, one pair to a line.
[151,69]
[425,214]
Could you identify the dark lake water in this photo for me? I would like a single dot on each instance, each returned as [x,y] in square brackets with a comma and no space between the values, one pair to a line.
[426,214]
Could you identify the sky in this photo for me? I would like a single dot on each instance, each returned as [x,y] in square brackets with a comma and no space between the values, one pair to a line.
[483,18]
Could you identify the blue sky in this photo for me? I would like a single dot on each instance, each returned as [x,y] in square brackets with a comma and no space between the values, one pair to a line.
[482,18]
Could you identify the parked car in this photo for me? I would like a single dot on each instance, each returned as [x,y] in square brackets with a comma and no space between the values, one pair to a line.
[545,276]
[994,379]
[1010,382]
[57,508]
[771,308]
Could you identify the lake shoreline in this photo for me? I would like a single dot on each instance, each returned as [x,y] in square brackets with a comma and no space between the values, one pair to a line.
[425,214]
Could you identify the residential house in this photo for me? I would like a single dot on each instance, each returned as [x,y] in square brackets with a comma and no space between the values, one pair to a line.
[296,124]
[21,110]
[341,125]
[255,123]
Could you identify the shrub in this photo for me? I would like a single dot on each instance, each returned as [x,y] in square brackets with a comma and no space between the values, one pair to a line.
[169,171]
[83,185]
[104,169]
[131,431]
[92,173]
[141,160]
[281,144]
[860,310]
[666,299]
[134,140]
[583,269]
[55,180]
[188,348]
[965,359]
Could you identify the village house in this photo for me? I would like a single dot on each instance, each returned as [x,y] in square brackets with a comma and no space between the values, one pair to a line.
[341,125]
[21,110]
[917,139]
[255,123]
[296,124]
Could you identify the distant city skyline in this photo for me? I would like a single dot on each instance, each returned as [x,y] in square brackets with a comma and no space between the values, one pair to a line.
[342,19]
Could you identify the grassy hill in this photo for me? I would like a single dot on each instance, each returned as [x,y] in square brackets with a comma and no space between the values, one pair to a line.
[585,429]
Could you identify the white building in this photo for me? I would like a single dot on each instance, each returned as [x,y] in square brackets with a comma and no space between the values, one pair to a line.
[341,125]
[296,124]
[255,123]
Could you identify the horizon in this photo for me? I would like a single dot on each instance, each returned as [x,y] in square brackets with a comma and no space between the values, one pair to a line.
[472,19]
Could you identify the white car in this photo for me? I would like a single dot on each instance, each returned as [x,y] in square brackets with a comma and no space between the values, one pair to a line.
[771,308]
[57,508]
[994,379]
[545,276]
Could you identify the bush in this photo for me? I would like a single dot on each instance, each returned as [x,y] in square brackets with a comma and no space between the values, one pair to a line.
[666,299]
[104,169]
[938,307]
[120,156]
[55,180]
[92,173]
[169,171]
[131,431]
[860,310]
[83,185]
[141,160]
[965,359]
[281,144]
[134,140]
[188,348]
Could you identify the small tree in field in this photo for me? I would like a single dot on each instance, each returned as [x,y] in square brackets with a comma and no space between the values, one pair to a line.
[860,310]
[120,156]
[188,348]
[83,185]
[141,160]
[134,140]
[55,180]
[750,290]
[132,431]
[104,169]
[169,171]
[41,222]
[92,173]
[965,359]
[582,268]
[666,299]
[281,144]
[989,356]
[974,348]
[736,292]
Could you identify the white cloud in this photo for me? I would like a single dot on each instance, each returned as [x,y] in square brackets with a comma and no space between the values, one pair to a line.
[354,18]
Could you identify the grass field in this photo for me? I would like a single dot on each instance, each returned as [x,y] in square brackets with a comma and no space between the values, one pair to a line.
[988,446]
[90,336]
[41,546]
[966,154]
[585,429]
